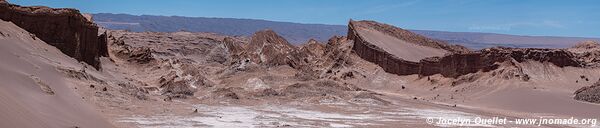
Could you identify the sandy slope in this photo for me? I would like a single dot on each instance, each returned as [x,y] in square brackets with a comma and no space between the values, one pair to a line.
[32,92]
[398,47]
[549,92]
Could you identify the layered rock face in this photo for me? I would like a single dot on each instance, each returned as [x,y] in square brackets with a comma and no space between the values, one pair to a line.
[65,29]
[455,65]
[458,60]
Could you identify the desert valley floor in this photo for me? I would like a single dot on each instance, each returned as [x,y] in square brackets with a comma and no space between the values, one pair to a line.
[377,75]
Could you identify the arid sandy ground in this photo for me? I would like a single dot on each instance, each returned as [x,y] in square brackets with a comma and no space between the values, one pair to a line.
[35,91]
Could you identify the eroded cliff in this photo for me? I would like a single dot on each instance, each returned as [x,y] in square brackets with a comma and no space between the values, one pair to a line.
[63,28]
[456,62]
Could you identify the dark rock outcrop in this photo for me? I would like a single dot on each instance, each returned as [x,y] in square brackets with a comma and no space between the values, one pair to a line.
[459,62]
[66,29]
[589,93]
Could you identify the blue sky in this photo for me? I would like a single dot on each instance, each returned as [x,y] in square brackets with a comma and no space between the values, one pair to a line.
[577,18]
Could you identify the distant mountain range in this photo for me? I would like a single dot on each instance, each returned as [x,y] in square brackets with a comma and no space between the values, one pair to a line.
[298,33]
[293,32]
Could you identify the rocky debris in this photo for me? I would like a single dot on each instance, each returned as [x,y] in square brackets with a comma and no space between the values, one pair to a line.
[184,80]
[136,90]
[243,65]
[269,92]
[63,28]
[368,98]
[227,93]
[589,93]
[218,54]
[325,91]
[351,75]
[587,45]
[337,56]
[141,55]
[79,74]
[587,52]
[256,84]
[43,86]
[460,62]
[178,89]
[314,91]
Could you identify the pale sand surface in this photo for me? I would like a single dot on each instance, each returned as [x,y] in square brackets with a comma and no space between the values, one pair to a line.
[27,66]
[399,48]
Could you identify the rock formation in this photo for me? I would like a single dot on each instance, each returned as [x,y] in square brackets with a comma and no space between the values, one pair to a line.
[589,94]
[587,45]
[455,65]
[140,55]
[66,29]
[402,34]
[587,52]
[314,47]
[268,48]
[234,48]
[456,62]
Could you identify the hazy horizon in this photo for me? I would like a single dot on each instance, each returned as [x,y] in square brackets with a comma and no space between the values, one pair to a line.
[528,18]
